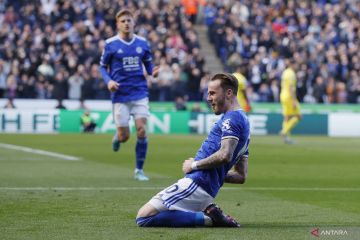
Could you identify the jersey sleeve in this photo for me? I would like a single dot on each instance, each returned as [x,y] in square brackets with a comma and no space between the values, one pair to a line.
[104,62]
[147,59]
[231,126]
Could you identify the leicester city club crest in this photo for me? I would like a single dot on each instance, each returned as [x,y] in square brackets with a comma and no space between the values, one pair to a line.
[138,49]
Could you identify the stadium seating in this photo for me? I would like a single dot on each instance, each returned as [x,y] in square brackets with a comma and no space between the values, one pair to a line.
[51,49]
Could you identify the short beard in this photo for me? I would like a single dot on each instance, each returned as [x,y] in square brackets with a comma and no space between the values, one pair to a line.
[220,105]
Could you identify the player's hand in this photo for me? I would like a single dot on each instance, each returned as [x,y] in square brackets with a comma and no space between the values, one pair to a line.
[187,165]
[113,86]
[155,71]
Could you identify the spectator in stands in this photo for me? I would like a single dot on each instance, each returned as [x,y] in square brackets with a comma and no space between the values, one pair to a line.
[60,86]
[68,33]
[45,68]
[204,86]
[11,87]
[88,87]
[331,90]
[264,93]
[75,83]
[322,36]
[193,84]
[180,78]
[275,91]
[341,94]
[319,90]
[354,87]
[26,88]
[3,77]
[191,9]
[165,80]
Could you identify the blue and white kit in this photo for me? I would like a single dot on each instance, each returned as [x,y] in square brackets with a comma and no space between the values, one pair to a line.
[122,61]
[198,188]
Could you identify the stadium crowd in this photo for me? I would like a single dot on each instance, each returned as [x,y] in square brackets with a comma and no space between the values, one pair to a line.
[322,36]
[51,48]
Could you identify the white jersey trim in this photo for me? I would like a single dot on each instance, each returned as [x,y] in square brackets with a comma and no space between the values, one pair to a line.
[117,37]
[140,38]
[125,42]
[233,137]
[114,38]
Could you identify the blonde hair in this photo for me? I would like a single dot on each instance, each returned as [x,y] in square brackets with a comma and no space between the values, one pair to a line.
[123,12]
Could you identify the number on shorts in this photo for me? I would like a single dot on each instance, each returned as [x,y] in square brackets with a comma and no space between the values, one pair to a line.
[172,188]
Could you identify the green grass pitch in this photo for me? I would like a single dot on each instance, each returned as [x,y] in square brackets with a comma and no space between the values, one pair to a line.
[290,191]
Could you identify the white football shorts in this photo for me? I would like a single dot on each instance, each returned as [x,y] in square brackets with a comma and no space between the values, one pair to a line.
[123,111]
[185,195]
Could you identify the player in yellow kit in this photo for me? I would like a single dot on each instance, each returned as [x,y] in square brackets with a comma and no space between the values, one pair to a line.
[241,93]
[289,102]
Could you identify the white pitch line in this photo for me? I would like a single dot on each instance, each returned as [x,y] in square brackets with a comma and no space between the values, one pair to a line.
[335,189]
[38,151]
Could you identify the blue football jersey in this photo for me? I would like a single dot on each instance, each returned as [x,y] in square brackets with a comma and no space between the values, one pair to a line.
[122,62]
[233,124]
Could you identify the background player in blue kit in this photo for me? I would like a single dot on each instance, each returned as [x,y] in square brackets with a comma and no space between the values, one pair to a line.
[221,158]
[121,66]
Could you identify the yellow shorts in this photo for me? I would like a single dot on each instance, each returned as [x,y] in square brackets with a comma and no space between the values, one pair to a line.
[289,110]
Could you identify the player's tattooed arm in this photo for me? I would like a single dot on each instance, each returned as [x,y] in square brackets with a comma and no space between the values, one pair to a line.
[222,156]
[238,173]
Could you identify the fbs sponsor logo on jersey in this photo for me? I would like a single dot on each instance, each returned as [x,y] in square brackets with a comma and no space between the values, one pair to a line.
[226,126]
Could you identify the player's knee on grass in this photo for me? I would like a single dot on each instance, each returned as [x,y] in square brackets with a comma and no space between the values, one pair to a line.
[146,211]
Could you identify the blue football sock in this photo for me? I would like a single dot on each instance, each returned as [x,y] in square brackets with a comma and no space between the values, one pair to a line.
[172,219]
[140,150]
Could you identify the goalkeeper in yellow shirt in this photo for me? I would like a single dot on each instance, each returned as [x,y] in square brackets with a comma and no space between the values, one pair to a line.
[241,93]
[289,102]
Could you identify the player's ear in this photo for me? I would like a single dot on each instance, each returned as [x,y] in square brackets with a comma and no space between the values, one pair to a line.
[229,93]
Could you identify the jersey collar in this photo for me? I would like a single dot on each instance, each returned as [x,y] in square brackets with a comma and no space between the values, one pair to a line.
[125,42]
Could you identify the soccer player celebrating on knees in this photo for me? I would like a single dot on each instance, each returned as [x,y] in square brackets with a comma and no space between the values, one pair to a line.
[121,67]
[221,158]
